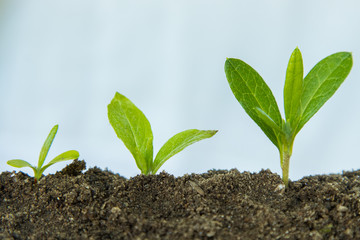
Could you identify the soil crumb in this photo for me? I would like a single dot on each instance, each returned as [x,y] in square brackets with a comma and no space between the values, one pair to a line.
[219,204]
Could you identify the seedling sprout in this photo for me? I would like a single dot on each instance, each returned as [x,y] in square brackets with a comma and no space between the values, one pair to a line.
[134,129]
[38,171]
[303,97]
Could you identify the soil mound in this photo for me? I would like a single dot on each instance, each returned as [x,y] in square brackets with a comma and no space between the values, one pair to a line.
[218,204]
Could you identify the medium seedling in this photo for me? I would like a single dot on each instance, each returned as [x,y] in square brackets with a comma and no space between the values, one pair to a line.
[134,129]
[38,171]
[303,97]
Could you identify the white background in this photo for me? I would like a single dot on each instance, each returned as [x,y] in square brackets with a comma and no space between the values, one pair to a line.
[61,62]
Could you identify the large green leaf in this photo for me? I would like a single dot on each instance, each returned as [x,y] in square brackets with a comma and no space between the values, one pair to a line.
[177,143]
[252,92]
[293,88]
[47,144]
[133,128]
[322,82]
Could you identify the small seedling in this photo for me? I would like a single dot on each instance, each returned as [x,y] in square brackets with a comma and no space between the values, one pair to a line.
[134,129]
[38,171]
[302,97]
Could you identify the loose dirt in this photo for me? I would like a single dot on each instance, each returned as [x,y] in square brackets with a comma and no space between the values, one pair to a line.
[218,204]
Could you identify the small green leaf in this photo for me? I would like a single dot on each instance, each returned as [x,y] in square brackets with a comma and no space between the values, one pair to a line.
[18,163]
[252,92]
[322,82]
[47,144]
[177,143]
[133,128]
[69,155]
[293,88]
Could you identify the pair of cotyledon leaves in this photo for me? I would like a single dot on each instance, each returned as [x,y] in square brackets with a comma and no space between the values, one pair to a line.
[134,129]
[38,171]
[303,97]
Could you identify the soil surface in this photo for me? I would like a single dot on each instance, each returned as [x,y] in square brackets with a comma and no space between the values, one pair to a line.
[218,204]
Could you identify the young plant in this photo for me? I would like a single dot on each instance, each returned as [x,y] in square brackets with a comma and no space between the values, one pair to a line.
[133,128]
[38,171]
[303,97]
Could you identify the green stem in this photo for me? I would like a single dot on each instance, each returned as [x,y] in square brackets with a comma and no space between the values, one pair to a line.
[285,163]
[285,154]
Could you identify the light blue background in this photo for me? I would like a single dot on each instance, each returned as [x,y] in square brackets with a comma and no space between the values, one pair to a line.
[62,61]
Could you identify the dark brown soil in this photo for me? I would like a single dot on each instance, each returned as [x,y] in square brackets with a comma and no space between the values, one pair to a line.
[215,205]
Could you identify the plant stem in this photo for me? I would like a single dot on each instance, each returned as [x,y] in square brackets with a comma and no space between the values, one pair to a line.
[285,154]
[285,159]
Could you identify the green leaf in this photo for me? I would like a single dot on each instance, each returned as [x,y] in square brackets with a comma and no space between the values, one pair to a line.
[252,92]
[47,144]
[177,143]
[18,163]
[322,82]
[293,88]
[69,155]
[133,128]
